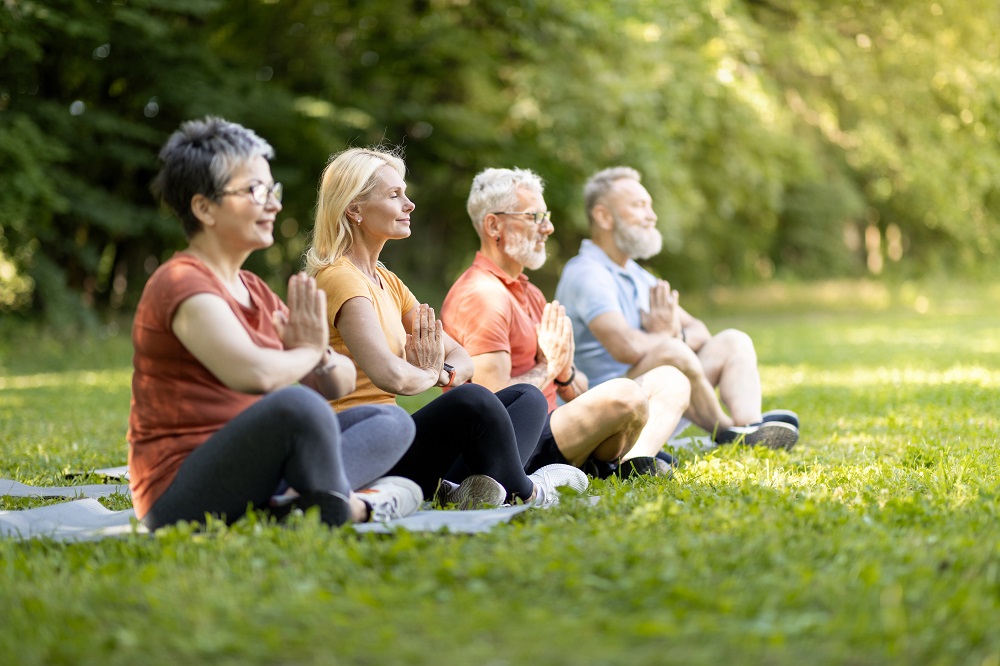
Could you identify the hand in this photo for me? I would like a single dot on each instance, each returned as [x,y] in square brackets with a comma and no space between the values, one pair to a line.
[425,345]
[555,339]
[306,324]
[664,314]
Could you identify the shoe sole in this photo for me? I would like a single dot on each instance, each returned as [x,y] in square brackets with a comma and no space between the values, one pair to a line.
[477,491]
[774,435]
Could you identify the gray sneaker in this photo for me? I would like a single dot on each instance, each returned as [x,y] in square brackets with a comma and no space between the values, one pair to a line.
[550,477]
[474,492]
[772,434]
[391,497]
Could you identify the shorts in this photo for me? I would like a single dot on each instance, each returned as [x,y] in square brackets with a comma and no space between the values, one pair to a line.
[546,451]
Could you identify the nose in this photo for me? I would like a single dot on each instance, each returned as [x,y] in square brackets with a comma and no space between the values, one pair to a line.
[408,206]
[272,203]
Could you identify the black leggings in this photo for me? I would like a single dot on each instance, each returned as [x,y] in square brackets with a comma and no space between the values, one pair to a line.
[290,435]
[471,430]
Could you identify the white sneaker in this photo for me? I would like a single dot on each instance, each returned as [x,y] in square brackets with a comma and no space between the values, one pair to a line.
[550,477]
[475,492]
[391,497]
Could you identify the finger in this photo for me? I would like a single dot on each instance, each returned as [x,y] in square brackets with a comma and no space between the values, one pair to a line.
[293,295]
[279,320]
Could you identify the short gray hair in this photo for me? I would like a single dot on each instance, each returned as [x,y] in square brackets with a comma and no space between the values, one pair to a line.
[495,190]
[598,186]
[200,158]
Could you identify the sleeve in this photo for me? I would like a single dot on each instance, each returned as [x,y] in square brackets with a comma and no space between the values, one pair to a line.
[587,292]
[478,317]
[173,284]
[341,285]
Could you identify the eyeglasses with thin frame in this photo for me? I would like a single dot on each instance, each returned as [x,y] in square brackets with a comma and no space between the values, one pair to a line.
[259,192]
[538,218]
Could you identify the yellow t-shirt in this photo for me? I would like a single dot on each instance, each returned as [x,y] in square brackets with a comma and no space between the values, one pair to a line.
[343,281]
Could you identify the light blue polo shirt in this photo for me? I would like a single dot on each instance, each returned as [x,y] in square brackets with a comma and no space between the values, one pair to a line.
[591,284]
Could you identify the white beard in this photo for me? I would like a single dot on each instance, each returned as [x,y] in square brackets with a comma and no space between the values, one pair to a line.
[519,248]
[637,242]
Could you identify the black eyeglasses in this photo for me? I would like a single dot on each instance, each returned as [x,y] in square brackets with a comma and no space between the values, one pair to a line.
[538,218]
[259,192]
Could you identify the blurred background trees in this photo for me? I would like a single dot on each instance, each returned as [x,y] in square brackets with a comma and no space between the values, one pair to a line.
[779,138]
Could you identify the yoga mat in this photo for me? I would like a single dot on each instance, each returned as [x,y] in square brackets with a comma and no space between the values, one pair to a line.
[17,489]
[456,522]
[80,520]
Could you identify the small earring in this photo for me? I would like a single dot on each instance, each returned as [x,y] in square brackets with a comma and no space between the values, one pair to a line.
[359,220]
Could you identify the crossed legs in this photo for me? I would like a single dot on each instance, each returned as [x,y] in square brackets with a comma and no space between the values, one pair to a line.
[621,418]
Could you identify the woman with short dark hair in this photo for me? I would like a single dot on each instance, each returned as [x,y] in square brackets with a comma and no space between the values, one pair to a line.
[218,419]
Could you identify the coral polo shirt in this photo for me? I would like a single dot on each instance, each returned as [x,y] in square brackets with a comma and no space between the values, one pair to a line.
[488,311]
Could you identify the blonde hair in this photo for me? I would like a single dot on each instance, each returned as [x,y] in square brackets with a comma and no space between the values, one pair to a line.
[350,176]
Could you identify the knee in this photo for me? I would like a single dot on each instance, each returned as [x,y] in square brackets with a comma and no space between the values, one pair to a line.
[670,383]
[403,427]
[736,343]
[302,408]
[626,401]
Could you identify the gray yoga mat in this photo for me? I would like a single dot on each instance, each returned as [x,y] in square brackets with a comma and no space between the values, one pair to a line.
[456,522]
[80,520]
[88,520]
[18,489]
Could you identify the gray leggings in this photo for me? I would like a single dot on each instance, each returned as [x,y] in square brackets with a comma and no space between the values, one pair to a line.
[293,436]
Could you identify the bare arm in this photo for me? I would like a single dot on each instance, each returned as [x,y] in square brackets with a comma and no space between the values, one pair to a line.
[362,333]
[334,377]
[209,329]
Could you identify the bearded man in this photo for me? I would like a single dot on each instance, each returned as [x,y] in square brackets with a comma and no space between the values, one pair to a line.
[514,336]
[626,322]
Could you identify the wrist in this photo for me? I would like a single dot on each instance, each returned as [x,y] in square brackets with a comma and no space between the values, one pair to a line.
[327,362]
[566,382]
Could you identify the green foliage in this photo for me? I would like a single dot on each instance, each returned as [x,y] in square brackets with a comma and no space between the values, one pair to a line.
[872,542]
[773,134]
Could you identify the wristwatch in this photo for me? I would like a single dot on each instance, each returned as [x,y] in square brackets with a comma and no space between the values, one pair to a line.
[450,369]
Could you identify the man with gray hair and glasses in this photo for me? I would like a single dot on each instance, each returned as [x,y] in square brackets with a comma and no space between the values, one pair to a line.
[626,322]
[514,336]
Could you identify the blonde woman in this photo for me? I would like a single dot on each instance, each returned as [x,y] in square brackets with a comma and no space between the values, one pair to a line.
[469,434]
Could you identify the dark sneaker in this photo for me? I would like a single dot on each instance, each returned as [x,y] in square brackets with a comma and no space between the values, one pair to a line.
[783,415]
[667,458]
[644,465]
[474,492]
[391,497]
[599,469]
[772,434]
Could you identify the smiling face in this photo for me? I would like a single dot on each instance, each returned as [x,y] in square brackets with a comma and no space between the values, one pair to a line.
[523,240]
[238,222]
[634,231]
[386,214]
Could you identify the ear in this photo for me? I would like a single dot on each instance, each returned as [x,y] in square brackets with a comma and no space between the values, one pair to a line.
[203,209]
[353,211]
[492,226]
[602,217]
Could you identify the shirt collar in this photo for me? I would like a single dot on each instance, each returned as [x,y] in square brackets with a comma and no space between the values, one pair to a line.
[589,249]
[485,263]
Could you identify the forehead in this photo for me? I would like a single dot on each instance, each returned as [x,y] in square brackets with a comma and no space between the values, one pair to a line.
[627,189]
[256,168]
[390,178]
[529,199]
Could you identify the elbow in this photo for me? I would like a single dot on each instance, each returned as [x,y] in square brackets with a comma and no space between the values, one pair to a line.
[625,352]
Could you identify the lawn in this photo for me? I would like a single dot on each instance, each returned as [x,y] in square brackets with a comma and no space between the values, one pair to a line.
[876,540]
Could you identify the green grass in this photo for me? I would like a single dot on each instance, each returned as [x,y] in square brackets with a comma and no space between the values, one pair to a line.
[876,540]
